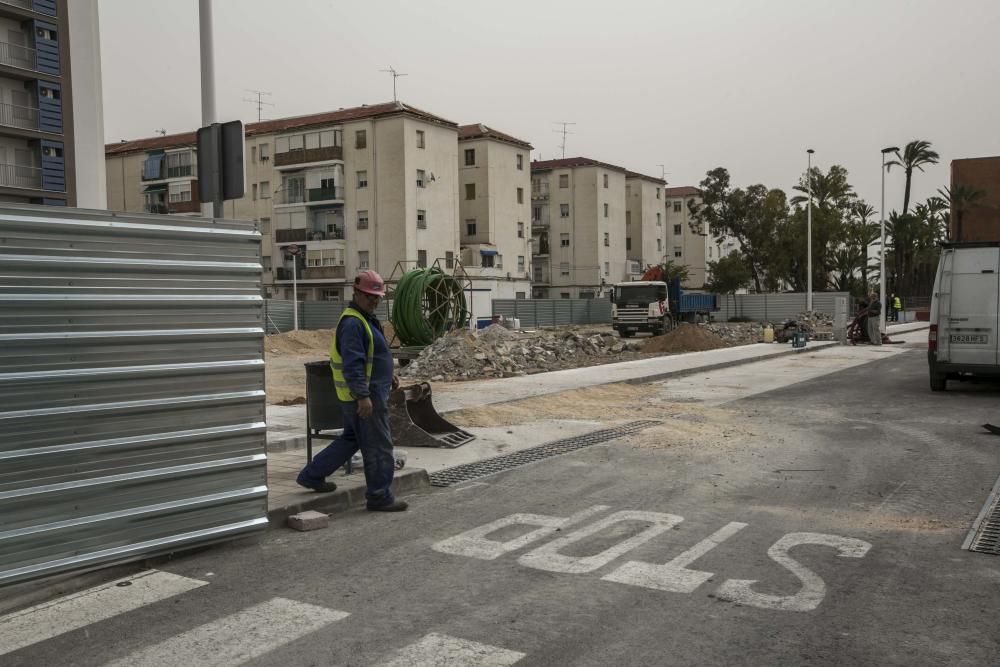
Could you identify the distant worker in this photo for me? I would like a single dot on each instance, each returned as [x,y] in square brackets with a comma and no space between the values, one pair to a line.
[897,306]
[363,377]
[874,310]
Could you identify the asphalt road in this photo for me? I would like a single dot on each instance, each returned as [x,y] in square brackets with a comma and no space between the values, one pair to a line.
[824,526]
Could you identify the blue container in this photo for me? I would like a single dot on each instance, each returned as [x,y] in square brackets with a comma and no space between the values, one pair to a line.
[799,339]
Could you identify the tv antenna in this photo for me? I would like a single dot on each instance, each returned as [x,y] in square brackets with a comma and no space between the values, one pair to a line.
[395,75]
[564,132]
[162,132]
[663,172]
[259,101]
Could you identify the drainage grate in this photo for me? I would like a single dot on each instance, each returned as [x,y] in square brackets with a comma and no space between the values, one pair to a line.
[468,471]
[985,538]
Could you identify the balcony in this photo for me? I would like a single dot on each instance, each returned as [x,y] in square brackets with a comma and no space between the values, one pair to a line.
[180,171]
[540,223]
[540,191]
[306,155]
[190,206]
[291,235]
[17,176]
[23,4]
[156,208]
[310,196]
[324,273]
[21,57]
[12,115]
[540,249]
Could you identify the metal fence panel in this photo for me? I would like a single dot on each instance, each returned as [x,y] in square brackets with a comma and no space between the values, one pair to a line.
[774,307]
[279,314]
[554,312]
[131,387]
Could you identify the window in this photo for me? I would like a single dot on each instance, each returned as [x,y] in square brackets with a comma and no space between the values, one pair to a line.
[362,179]
[563,295]
[564,180]
[499,261]
[520,262]
[605,210]
[422,258]
[420,139]
[677,207]
[265,227]
[470,157]
[421,219]
[295,189]
[659,245]
[659,221]
[360,139]
[519,295]
[49,93]
[253,190]
[253,153]
[179,191]
[628,218]
[628,243]
[45,33]
[536,214]
[678,252]
[470,227]
[520,195]
[265,189]
[607,268]
[421,178]
[564,240]
[520,230]
[564,268]
[586,295]
[265,263]
[363,259]
[628,190]
[487,261]
[449,260]
[563,210]
[470,191]
[677,229]
[520,162]
[362,219]
[657,193]
[264,152]
[605,180]
[607,240]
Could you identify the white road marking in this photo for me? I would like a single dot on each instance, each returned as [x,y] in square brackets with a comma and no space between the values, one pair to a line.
[674,576]
[237,638]
[56,617]
[436,650]
[813,588]
[474,543]
[547,556]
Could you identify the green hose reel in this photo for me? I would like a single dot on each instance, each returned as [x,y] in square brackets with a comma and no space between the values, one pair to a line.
[427,303]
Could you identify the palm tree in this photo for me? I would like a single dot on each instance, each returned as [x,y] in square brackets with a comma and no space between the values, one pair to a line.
[862,233]
[960,199]
[915,155]
[829,189]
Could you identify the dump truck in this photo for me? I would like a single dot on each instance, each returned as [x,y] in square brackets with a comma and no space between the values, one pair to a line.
[691,306]
[641,305]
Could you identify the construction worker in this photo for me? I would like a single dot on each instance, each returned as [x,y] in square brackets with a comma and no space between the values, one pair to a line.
[897,306]
[363,376]
[874,310]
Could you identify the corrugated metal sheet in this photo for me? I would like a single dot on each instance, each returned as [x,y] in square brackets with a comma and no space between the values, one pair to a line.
[131,387]
[774,307]
[554,312]
[279,314]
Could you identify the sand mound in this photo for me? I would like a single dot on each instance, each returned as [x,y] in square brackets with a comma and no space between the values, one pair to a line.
[298,342]
[684,338]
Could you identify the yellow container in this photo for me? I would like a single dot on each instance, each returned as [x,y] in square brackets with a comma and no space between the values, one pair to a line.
[768,334]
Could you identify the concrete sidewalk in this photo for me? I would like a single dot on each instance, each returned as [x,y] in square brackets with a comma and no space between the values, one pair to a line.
[286,424]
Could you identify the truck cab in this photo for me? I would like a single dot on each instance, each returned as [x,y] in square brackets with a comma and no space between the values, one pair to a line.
[640,306]
[962,341]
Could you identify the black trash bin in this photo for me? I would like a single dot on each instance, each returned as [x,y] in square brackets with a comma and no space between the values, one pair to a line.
[323,411]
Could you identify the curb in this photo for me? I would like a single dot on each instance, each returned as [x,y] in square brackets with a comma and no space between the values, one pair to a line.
[341,500]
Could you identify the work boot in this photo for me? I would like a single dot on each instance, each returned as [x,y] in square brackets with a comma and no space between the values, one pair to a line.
[395,506]
[321,487]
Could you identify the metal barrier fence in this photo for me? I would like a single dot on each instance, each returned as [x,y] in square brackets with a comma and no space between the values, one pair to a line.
[774,307]
[554,312]
[131,387]
[279,315]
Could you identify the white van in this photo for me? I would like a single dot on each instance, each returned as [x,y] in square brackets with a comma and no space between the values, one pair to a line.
[964,321]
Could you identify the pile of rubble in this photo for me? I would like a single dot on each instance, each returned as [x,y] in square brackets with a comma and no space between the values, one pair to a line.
[498,352]
[814,320]
[737,333]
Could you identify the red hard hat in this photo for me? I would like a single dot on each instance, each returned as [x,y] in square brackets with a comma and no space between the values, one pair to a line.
[370,282]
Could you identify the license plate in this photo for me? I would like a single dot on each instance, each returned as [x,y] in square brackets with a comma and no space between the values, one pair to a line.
[969,339]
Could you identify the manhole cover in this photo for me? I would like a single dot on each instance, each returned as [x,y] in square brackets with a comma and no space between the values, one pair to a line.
[464,473]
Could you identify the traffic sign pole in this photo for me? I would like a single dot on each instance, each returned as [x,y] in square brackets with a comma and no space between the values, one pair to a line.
[294,251]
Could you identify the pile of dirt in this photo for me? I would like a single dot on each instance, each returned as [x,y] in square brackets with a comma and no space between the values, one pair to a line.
[298,342]
[685,338]
[498,352]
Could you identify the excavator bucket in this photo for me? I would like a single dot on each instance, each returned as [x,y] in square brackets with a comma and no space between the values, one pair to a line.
[415,422]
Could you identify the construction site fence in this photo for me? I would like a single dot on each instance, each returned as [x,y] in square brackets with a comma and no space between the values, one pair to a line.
[774,307]
[279,315]
[554,312]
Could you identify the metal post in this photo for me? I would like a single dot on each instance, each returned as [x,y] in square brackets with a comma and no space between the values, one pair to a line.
[809,235]
[208,113]
[881,252]
[295,292]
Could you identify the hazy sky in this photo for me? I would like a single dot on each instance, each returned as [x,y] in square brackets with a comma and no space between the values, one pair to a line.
[693,84]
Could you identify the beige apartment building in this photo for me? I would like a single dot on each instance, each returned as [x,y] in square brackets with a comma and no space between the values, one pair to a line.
[494,206]
[366,187]
[693,246]
[645,236]
[577,227]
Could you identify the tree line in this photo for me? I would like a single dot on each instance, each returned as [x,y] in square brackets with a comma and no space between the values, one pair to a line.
[770,228]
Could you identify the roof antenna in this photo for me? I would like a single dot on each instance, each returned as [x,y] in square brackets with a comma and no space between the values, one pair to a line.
[663,173]
[564,132]
[395,75]
[162,132]
[259,101]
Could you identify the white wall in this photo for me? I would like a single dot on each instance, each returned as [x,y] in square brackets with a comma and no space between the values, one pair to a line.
[88,105]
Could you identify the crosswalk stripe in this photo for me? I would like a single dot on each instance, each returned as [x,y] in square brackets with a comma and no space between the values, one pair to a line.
[437,650]
[72,612]
[237,638]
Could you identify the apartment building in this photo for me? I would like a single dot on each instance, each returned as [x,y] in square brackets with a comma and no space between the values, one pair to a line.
[980,219]
[645,236]
[494,176]
[374,187]
[36,111]
[577,227]
[691,245]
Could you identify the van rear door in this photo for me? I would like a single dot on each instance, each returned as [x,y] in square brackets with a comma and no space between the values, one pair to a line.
[968,317]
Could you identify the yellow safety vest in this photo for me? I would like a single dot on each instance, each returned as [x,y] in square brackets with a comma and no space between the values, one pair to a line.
[337,362]
[897,304]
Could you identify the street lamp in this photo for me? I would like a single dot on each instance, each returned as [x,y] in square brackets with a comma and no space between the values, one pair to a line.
[809,234]
[881,249]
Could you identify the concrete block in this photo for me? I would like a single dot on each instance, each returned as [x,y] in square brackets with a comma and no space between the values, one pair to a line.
[308,520]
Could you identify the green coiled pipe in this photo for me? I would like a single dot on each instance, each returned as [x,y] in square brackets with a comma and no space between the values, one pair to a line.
[427,304]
